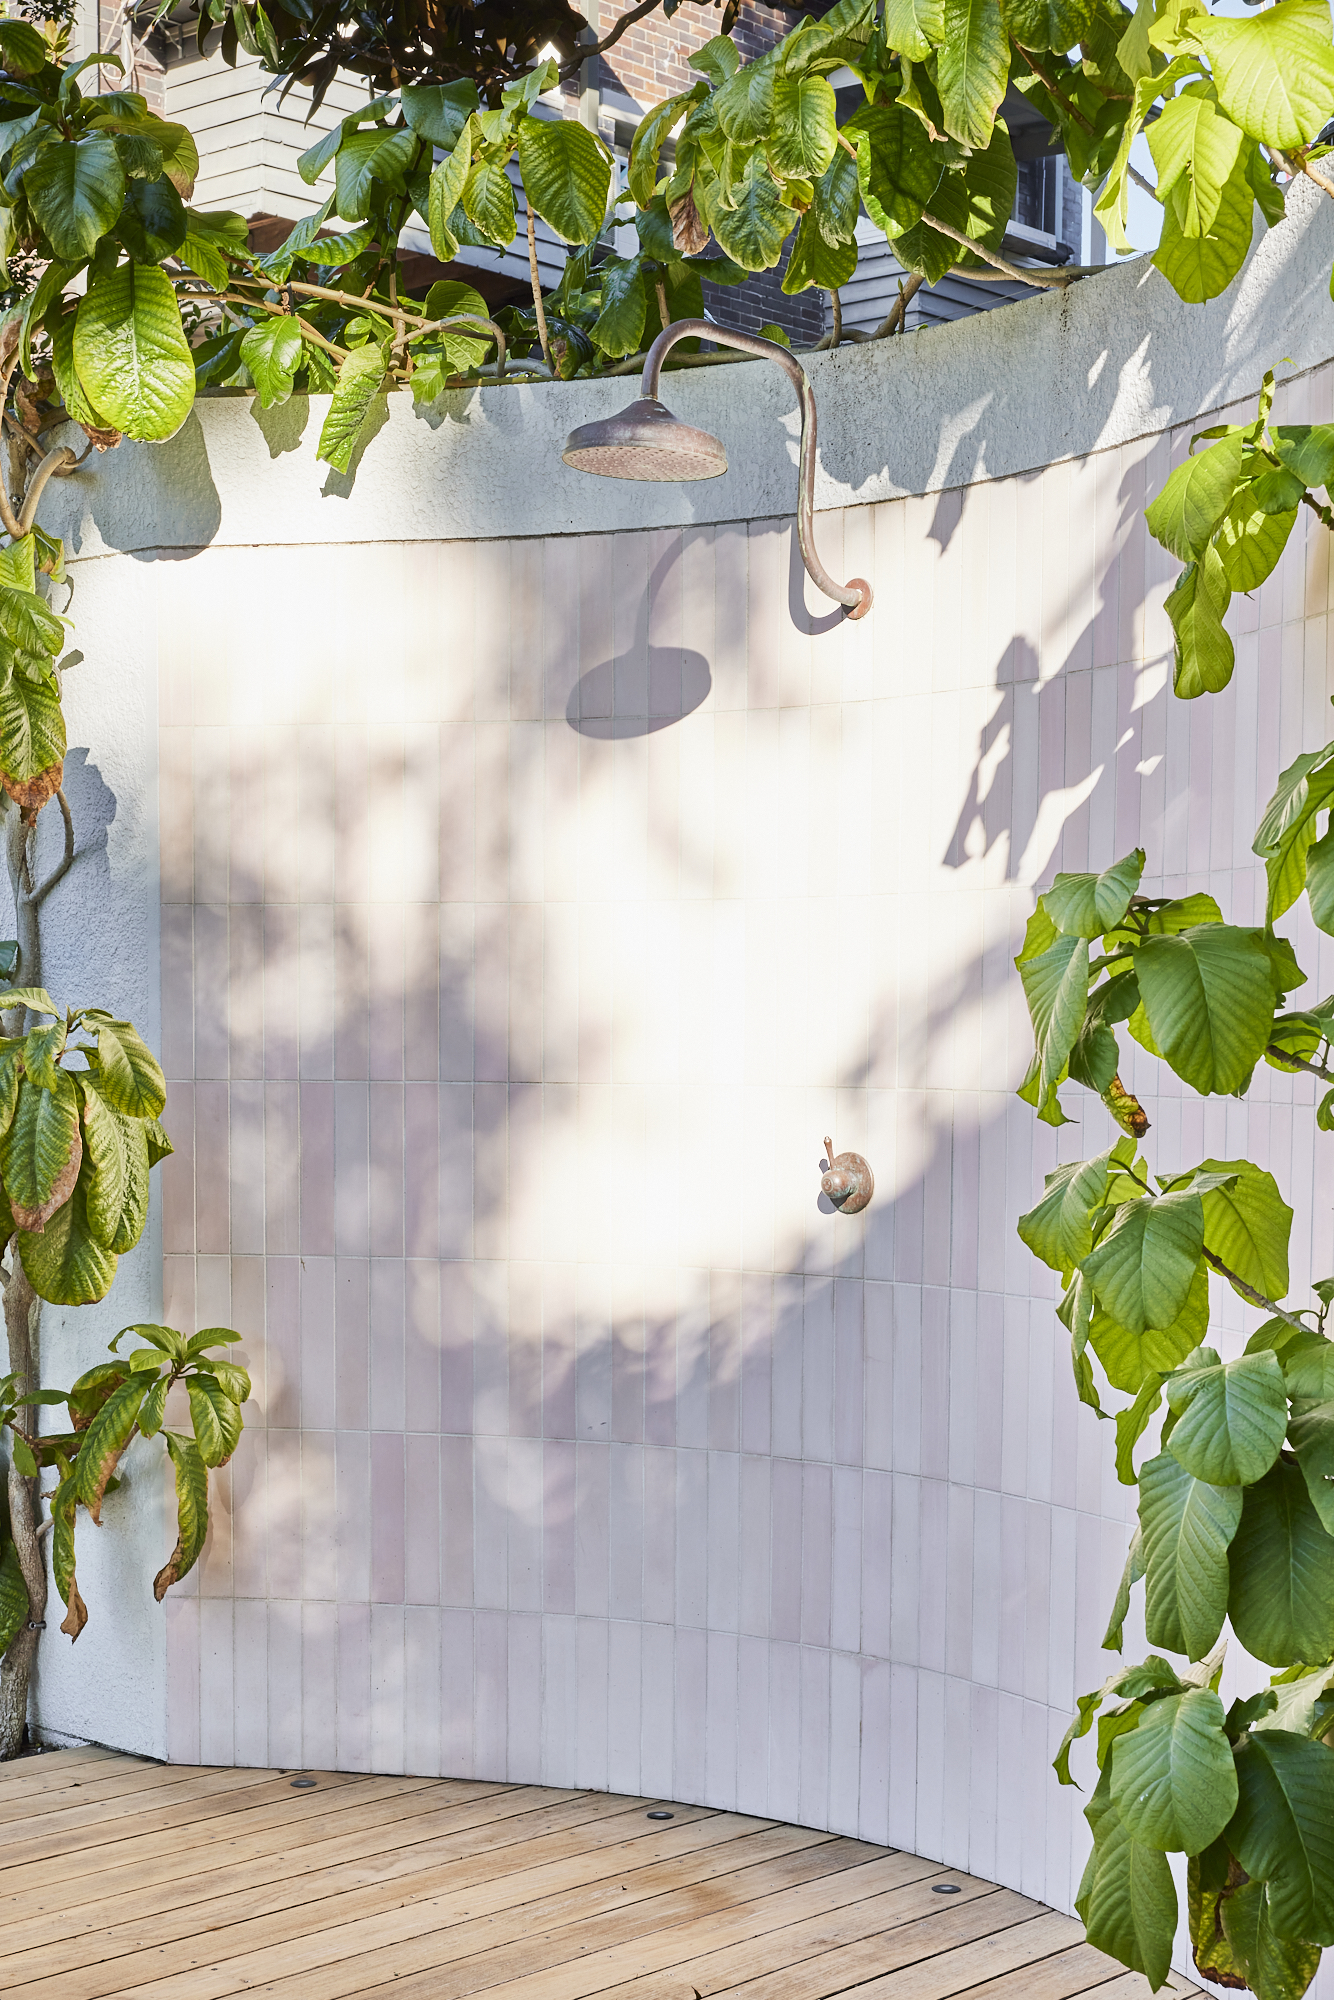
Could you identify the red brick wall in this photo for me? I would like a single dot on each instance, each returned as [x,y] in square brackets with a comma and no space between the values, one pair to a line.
[651,60]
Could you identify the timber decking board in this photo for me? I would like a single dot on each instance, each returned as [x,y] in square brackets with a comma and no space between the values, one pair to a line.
[129,1880]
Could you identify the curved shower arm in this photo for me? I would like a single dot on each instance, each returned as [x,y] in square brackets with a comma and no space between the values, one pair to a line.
[856,593]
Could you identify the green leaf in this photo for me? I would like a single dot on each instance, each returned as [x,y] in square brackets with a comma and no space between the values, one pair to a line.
[164,1338]
[1047,24]
[1275,1968]
[1088,905]
[446,185]
[1208,995]
[488,201]
[24,49]
[1283,1829]
[159,1145]
[719,60]
[438,112]
[105,1440]
[897,169]
[1057,1230]
[619,328]
[207,1337]
[63,1504]
[754,229]
[41,1151]
[1131,1425]
[566,176]
[1056,988]
[1282,1595]
[1248,1225]
[1187,1526]
[1126,1898]
[273,353]
[152,222]
[1250,541]
[1173,1781]
[1231,1419]
[1200,267]
[131,353]
[32,734]
[233,1381]
[154,1408]
[359,380]
[1143,1267]
[75,189]
[744,105]
[1196,150]
[1130,1358]
[13,1597]
[1196,495]
[650,135]
[1274,72]
[65,1264]
[1312,1434]
[804,136]
[1287,831]
[914,27]
[1307,450]
[191,1512]
[972,69]
[1134,1569]
[215,1418]
[129,1074]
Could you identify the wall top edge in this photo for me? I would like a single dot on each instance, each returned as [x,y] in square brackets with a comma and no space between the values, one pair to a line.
[1066,374]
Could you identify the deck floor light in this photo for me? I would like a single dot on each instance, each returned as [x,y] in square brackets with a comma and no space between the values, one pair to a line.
[645,441]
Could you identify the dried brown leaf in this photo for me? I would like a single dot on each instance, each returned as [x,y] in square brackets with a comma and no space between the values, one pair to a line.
[31,794]
[76,1617]
[690,233]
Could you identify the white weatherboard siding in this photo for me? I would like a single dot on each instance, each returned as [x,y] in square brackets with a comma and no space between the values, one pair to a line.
[544,870]
[248,144]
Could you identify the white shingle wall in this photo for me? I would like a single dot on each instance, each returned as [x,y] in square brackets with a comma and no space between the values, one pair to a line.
[508,989]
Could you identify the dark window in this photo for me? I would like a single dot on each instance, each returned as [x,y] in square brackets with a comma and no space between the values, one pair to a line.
[1036,195]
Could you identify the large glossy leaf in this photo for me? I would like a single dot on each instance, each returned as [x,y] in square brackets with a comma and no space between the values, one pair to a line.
[566,176]
[1307,449]
[32,737]
[1187,1527]
[972,69]
[1056,988]
[1047,24]
[215,1418]
[1248,1225]
[191,1512]
[359,380]
[754,229]
[41,1151]
[439,111]
[131,353]
[446,192]
[897,170]
[1195,496]
[488,201]
[1173,1781]
[75,189]
[1283,1829]
[65,1264]
[153,222]
[650,135]
[129,1075]
[1231,1419]
[1196,150]
[273,353]
[744,106]
[1312,1434]
[1143,1267]
[815,262]
[1131,1358]
[1281,1601]
[1274,71]
[13,1597]
[1274,1967]
[104,1441]
[1285,834]
[1250,541]
[1127,1899]
[914,27]
[1088,905]
[1200,267]
[1057,1230]
[804,135]
[1209,998]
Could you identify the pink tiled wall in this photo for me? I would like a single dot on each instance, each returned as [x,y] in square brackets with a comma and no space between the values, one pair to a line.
[508,991]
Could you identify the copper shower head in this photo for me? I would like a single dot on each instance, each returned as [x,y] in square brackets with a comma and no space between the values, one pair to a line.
[644,441]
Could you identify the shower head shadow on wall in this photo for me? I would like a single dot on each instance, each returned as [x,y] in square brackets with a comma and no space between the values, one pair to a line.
[618,698]
[646,442]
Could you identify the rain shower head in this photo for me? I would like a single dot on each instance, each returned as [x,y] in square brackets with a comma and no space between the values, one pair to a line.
[644,441]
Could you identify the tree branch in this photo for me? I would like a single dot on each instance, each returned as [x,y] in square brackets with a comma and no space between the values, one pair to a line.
[1249,1292]
[1041,279]
[7,516]
[59,460]
[1297,164]
[39,895]
[537,286]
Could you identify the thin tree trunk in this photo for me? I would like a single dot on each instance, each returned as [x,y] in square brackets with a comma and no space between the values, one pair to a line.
[23,1311]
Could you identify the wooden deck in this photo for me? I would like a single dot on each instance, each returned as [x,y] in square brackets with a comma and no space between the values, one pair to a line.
[120,1878]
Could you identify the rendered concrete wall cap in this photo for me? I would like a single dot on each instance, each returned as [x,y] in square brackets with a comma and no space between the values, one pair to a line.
[1116,357]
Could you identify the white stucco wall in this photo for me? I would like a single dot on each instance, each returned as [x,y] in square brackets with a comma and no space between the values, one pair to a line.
[508,988]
